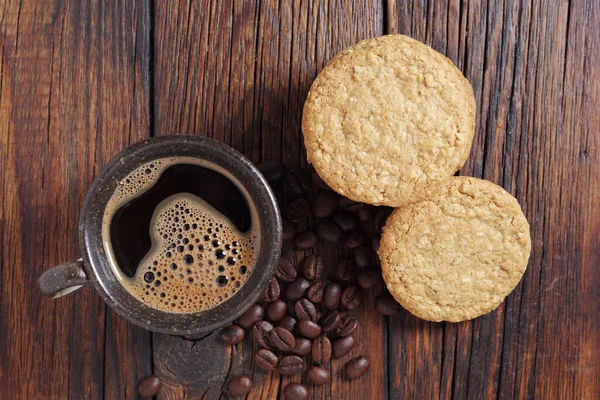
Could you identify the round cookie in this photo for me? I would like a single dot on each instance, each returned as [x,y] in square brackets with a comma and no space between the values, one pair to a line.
[458,256]
[387,120]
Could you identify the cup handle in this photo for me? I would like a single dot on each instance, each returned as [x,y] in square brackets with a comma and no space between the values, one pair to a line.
[63,279]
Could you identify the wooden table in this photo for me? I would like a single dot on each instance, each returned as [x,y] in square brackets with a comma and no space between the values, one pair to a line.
[80,80]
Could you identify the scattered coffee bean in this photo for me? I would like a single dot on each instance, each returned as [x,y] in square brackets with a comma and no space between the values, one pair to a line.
[149,386]
[329,231]
[351,298]
[305,309]
[362,256]
[282,339]
[254,314]
[276,310]
[319,375]
[289,230]
[239,386]
[387,305]
[381,216]
[347,326]
[346,221]
[357,367]
[319,182]
[349,205]
[341,347]
[285,270]
[375,244]
[321,350]
[298,209]
[272,291]
[305,240]
[325,204]
[312,267]
[332,295]
[260,333]
[315,292]
[266,360]
[299,184]
[369,278]
[288,322]
[364,214]
[346,270]
[331,321]
[297,289]
[295,391]
[354,239]
[303,347]
[308,329]
[290,365]
[273,170]
[232,334]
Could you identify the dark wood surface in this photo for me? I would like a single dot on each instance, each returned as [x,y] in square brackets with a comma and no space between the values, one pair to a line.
[80,80]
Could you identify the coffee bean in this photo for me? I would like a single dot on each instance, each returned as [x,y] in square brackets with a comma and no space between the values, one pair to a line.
[325,204]
[365,213]
[298,209]
[387,305]
[332,295]
[341,347]
[346,270]
[319,182]
[273,170]
[375,244]
[297,289]
[381,217]
[290,365]
[288,322]
[347,326]
[354,239]
[357,367]
[346,221]
[351,298]
[321,350]
[289,230]
[329,232]
[149,386]
[331,321]
[362,256]
[312,267]
[295,391]
[285,270]
[304,309]
[260,333]
[276,310]
[232,334]
[266,360]
[305,240]
[315,292]
[369,278]
[254,314]
[272,291]
[239,386]
[282,339]
[303,347]
[308,329]
[296,185]
[319,375]
[349,205]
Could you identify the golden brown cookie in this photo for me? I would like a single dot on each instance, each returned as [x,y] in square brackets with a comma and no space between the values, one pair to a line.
[458,256]
[387,120]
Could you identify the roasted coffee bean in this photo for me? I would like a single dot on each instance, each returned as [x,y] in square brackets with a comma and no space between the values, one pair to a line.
[260,333]
[351,298]
[272,170]
[332,295]
[346,221]
[285,270]
[266,360]
[272,291]
[305,240]
[364,213]
[362,256]
[312,267]
[331,321]
[295,391]
[282,339]
[303,347]
[375,244]
[254,314]
[369,278]
[288,322]
[356,367]
[325,204]
[308,329]
[290,365]
[341,347]
[297,289]
[347,326]
[149,386]
[321,350]
[387,305]
[298,209]
[354,239]
[304,309]
[232,334]
[346,270]
[315,292]
[319,182]
[295,185]
[319,375]
[329,232]
[289,230]
[276,310]
[349,205]
[381,217]
[239,386]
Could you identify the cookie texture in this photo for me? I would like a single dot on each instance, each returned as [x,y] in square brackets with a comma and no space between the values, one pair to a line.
[458,256]
[388,120]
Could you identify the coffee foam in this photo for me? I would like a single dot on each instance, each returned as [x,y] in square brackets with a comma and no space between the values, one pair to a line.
[198,258]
